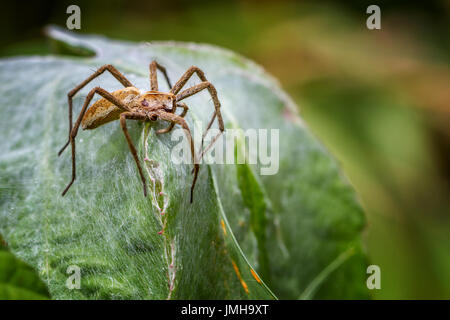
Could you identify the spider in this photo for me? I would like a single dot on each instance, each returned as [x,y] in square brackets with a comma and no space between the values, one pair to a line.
[133,104]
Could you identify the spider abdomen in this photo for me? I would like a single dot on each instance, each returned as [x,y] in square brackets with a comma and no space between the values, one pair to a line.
[103,111]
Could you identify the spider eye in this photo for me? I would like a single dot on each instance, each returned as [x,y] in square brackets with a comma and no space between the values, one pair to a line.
[153,117]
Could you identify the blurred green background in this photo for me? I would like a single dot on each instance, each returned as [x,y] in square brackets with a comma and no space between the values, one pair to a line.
[378,99]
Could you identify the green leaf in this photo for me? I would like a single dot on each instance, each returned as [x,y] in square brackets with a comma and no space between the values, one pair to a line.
[18,281]
[243,233]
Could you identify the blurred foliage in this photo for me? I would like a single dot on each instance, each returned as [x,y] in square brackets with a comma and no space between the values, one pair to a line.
[378,99]
[18,281]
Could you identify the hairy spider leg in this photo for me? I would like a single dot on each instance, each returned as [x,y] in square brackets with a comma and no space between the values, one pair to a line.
[154,77]
[172,124]
[205,84]
[108,96]
[116,73]
[123,123]
[195,89]
[176,119]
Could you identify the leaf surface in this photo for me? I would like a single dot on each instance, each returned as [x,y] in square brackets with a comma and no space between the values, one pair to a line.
[18,281]
[244,233]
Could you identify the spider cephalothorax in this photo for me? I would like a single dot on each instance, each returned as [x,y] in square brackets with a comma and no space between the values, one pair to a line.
[131,103]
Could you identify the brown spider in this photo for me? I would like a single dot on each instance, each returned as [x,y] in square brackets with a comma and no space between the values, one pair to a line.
[130,103]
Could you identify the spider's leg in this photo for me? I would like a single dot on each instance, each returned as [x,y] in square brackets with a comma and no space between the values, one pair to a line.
[176,119]
[212,91]
[116,73]
[153,75]
[73,133]
[186,76]
[172,124]
[123,123]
